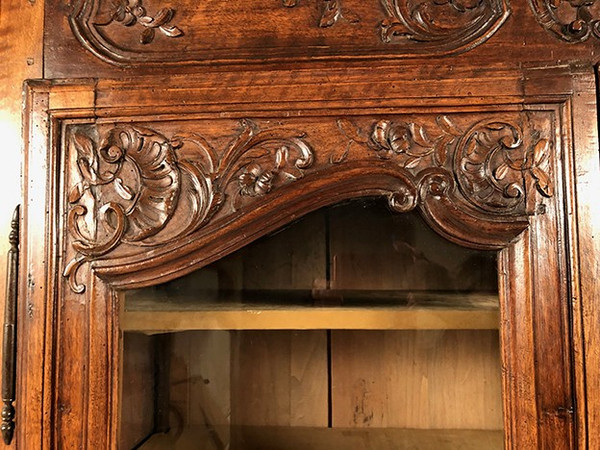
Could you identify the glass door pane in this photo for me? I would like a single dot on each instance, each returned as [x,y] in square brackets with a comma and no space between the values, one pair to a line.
[355,328]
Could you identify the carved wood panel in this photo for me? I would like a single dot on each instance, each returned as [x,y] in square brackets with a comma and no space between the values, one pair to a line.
[134,32]
[132,187]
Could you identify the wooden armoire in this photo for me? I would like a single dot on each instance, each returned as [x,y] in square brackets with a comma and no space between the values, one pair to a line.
[291,224]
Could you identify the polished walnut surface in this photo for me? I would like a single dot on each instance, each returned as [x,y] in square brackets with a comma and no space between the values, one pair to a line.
[151,36]
[198,130]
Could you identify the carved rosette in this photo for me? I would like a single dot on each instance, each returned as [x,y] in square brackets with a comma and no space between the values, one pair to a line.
[570,20]
[456,23]
[131,183]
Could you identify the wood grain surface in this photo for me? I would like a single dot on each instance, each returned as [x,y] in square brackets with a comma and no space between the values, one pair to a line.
[21,49]
[416,379]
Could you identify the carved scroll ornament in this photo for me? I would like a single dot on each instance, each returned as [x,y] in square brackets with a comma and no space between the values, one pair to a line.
[493,162]
[457,23]
[448,23]
[570,20]
[132,181]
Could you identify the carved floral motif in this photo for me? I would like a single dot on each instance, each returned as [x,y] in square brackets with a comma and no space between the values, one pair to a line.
[408,142]
[131,182]
[132,12]
[493,163]
[569,20]
[448,21]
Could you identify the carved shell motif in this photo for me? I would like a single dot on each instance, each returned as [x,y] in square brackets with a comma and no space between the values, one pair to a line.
[131,182]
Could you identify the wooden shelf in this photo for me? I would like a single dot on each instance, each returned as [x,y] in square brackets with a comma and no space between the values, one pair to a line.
[381,311]
[297,438]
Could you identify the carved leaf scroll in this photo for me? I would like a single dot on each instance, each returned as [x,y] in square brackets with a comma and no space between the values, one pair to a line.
[447,22]
[128,182]
[131,182]
[132,12]
[492,163]
[570,20]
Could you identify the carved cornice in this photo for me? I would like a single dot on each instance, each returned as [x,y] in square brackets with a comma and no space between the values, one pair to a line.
[128,182]
[570,20]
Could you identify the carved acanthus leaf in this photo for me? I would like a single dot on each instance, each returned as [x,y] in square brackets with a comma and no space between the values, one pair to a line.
[408,142]
[131,182]
[569,20]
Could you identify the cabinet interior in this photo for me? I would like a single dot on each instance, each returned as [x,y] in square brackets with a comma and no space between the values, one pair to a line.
[353,327]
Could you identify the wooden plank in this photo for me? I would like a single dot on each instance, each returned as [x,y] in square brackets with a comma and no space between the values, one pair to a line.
[293,258]
[209,378]
[416,379]
[193,300]
[308,374]
[279,378]
[278,438]
[193,438]
[200,382]
[252,318]
[584,232]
